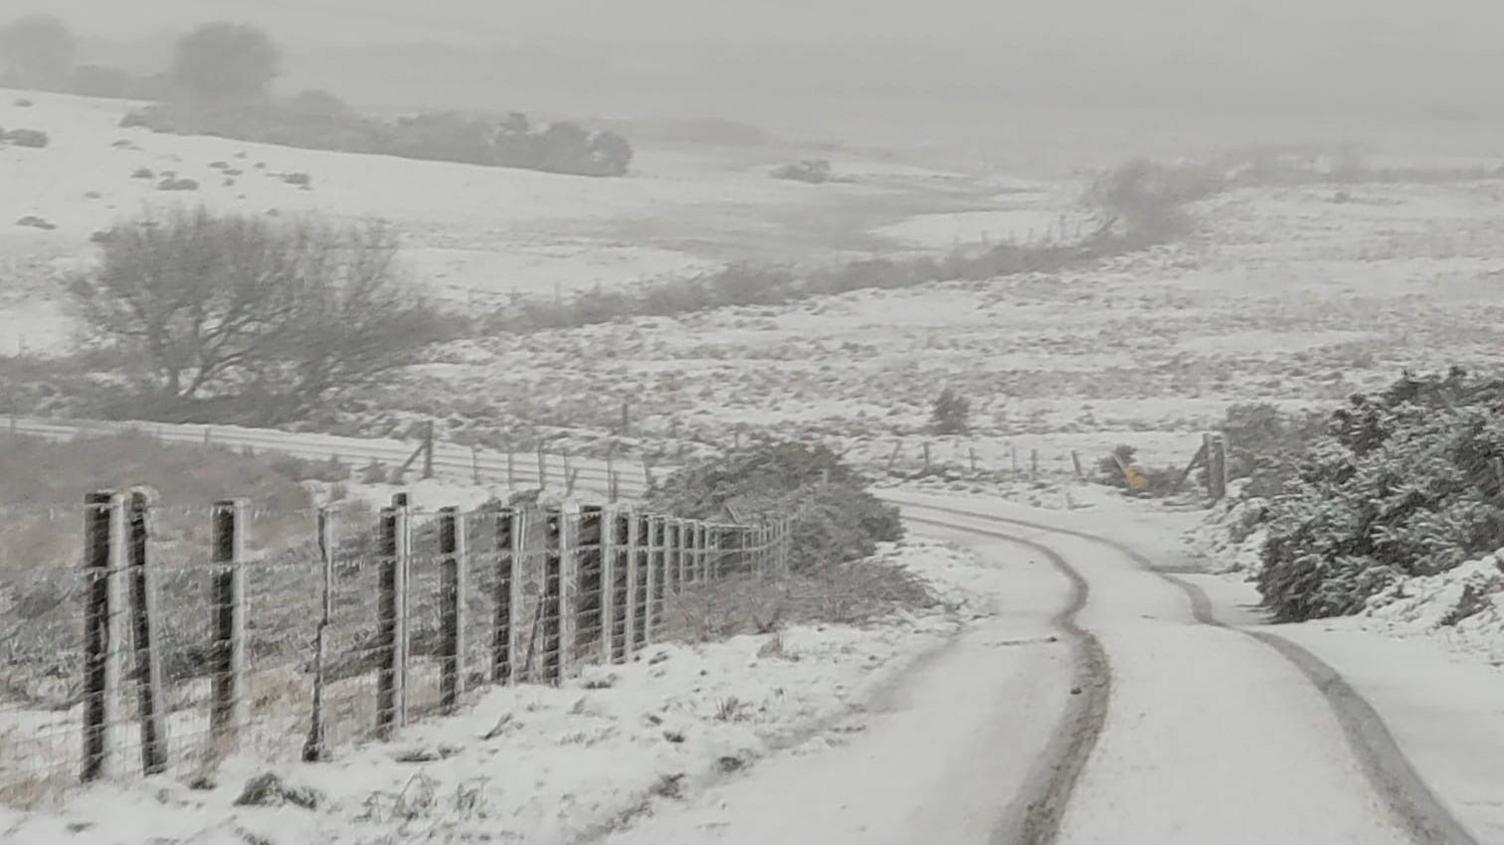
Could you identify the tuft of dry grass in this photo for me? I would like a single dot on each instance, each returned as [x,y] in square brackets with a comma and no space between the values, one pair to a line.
[855,593]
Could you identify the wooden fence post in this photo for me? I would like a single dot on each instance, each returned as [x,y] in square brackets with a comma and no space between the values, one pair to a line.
[971,452]
[316,748]
[150,693]
[654,577]
[229,714]
[621,584]
[505,577]
[454,564]
[717,553]
[391,689]
[475,464]
[926,457]
[893,458]
[551,613]
[104,630]
[590,621]
[511,469]
[1076,461]
[609,576]
[1216,467]
[428,438]
[542,469]
[647,472]
[671,556]
[634,589]
[702,551]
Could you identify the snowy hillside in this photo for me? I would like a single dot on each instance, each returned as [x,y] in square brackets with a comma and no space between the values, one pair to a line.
[470,232]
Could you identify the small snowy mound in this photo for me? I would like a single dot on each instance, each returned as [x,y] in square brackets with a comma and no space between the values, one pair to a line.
[1469,598]
[1231,538]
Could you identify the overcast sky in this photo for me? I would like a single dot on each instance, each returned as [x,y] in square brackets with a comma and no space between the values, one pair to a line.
[1239,26]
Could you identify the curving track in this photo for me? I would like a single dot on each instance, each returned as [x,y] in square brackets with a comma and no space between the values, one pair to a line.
[1212,733]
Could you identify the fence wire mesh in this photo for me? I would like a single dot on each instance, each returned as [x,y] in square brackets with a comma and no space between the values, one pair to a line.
[185,635]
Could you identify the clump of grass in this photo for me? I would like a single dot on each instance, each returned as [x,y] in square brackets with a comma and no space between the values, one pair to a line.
[854,593]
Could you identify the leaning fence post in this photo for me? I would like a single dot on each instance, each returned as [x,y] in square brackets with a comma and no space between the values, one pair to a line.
[454,565]
[1076,461]
[104,630]
[151,704]
[228,716]
[1216,467]
[391,681]
[316,748]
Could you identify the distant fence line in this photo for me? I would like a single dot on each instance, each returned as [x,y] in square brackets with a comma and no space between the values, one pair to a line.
[615,476]
[354,634]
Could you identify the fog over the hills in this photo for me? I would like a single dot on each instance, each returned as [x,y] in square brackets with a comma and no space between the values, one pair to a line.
[1327,69]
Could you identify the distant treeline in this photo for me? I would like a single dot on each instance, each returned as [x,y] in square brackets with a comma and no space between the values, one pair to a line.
[318,121]
[220,82]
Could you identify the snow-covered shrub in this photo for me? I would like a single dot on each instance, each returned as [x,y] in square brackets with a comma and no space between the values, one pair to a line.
[835,518]
[1147,199]
[173,183]
[950,413]
[813,171]
[26,138]
[1408,483]
[1264,444]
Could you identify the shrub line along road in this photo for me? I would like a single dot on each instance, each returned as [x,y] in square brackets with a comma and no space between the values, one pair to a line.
[1156,723]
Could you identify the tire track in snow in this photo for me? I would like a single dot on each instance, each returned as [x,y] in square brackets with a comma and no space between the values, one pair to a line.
[1413,805]
[1034,815]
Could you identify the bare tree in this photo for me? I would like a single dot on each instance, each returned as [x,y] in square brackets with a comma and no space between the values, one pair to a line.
[286,314]
[225,62]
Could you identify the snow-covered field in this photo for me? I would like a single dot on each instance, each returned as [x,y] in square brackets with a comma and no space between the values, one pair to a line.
[473,234]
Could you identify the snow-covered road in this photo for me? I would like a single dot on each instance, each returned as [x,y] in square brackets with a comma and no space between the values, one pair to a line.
[1210,733]
[937,757]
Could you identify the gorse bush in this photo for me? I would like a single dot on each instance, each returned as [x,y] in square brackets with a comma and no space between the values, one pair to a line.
[836,518]
[951,413]
[1264,445]
[1408,481]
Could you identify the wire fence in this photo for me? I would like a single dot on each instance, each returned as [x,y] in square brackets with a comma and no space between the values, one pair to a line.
[158,655]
